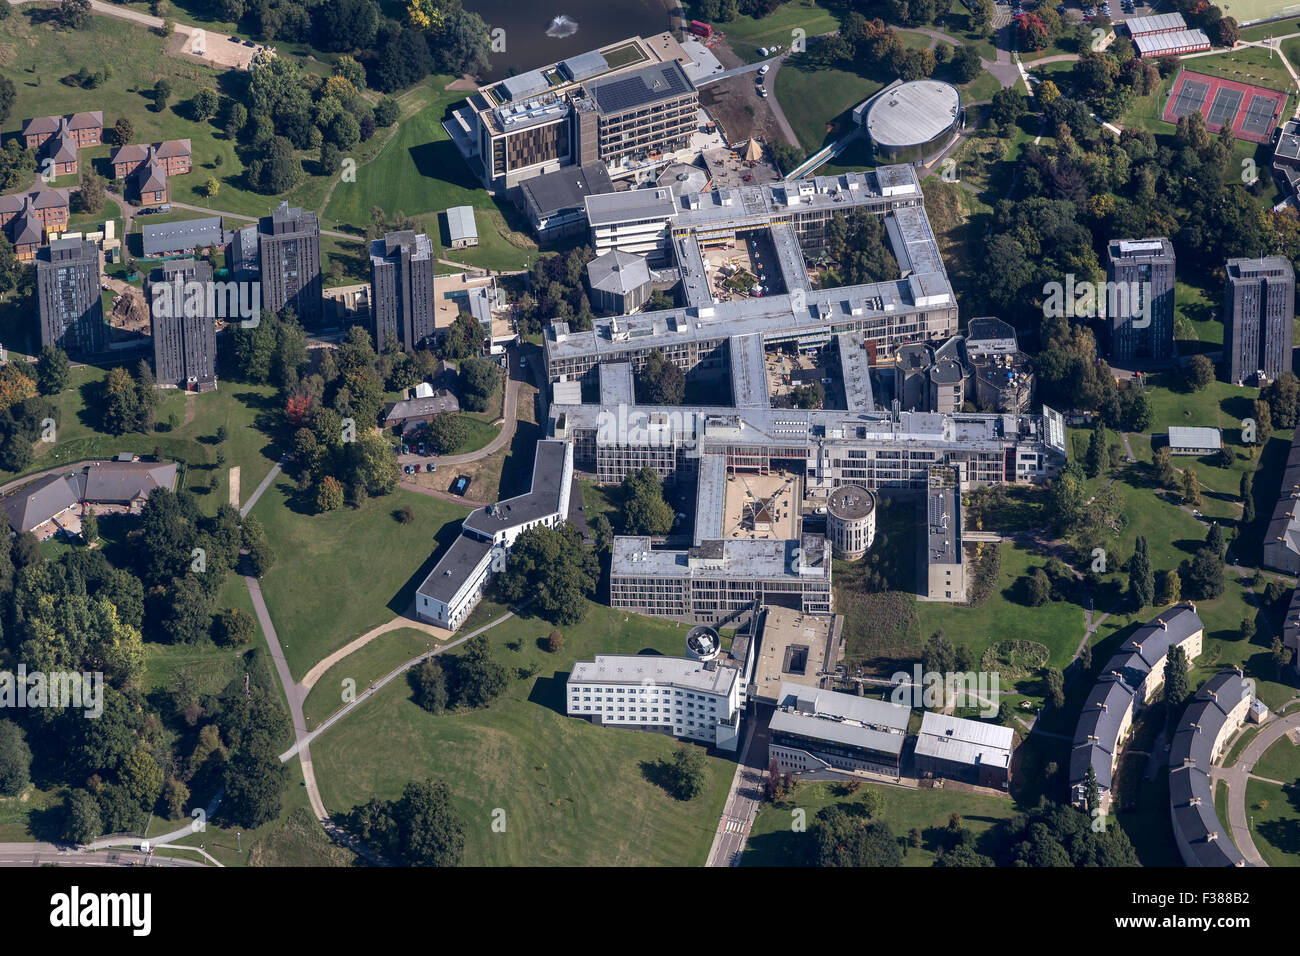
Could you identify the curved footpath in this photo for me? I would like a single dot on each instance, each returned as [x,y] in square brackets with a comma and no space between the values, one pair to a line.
[1239,773]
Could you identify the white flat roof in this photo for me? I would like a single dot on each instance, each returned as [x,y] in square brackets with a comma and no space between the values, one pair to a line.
[1184,436]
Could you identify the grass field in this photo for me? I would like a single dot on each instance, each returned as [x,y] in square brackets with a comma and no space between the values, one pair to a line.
[420,173]
[1250,11]
[1274,816]
[339,574]
[1245,65]
[236,406]
[747,34]
[1004,616]
[1280,762]
[377,659]
[572,793]
[774,842]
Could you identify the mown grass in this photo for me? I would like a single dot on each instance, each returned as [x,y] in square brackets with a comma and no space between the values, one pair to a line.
[571,793]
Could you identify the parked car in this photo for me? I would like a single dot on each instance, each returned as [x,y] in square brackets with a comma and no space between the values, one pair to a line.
[762,91]
[430,466]
[419,449]
[406,449]
[762,70]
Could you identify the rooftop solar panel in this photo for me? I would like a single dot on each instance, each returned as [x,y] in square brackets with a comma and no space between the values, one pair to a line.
[645,86]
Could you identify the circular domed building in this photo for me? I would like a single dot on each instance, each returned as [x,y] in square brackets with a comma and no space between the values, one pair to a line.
[851,521]
[914,120]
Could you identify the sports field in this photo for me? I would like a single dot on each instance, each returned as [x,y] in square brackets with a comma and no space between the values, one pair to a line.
[1250,111]
[1252,11]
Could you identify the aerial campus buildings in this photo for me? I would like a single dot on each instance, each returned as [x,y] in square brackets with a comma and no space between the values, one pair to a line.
[68,297]
[909,121]
[778,490]
[1128,683]
[627,106]
[1217,711]
[1258,313]
[1140,319]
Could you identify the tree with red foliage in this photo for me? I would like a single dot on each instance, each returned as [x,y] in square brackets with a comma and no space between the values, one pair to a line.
[296,406]
[1033,32]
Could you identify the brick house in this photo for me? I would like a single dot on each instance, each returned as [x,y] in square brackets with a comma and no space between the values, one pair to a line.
[27,217]
[86,129]
[172,155]
[61,151]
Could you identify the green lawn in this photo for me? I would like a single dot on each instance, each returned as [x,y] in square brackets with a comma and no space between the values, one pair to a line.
[420,173]
[774,841]
[377,659]
[1197,326]
[1245,65]
[813,100]
[1274,816]
[747,34]
[1004,616]
[240,408]
[1280,762]
[572,793]
[338,575]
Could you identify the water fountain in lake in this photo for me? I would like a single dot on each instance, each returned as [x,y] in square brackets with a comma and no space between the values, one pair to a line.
[562,26]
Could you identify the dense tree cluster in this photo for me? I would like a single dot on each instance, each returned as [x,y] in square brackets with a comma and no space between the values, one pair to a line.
[1060,836]
[420,828]
[660,382]
[557,291]
[857,252]
[644,509]
[553,568]
[433,36]
[143,753]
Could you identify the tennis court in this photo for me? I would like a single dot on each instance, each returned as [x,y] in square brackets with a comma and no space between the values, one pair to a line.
[1186,97]
[1260,116]
[1249,111]
[1224,107]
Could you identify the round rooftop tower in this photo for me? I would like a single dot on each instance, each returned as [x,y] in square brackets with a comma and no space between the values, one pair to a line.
[911,121]
[703,643]
[851,521]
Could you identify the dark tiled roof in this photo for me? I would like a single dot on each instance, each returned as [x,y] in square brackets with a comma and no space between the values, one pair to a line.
[117,481]
[39,502]
[454,567]
[542,499]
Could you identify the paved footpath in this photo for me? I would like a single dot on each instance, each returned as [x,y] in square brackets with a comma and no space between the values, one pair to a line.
[1237,775]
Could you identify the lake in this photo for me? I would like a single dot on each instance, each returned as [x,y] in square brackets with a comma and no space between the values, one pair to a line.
[540,33]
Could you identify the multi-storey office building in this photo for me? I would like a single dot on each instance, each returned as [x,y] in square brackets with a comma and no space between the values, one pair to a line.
[1258,318]
[945,563]
[288,256]
[828,447]
[917,306]
[1140,299]
[825,730]
[969,750]
[697,700]
[68,297]
[457,582]
[184,327]
[625,105]
[403,306]
[717,581]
